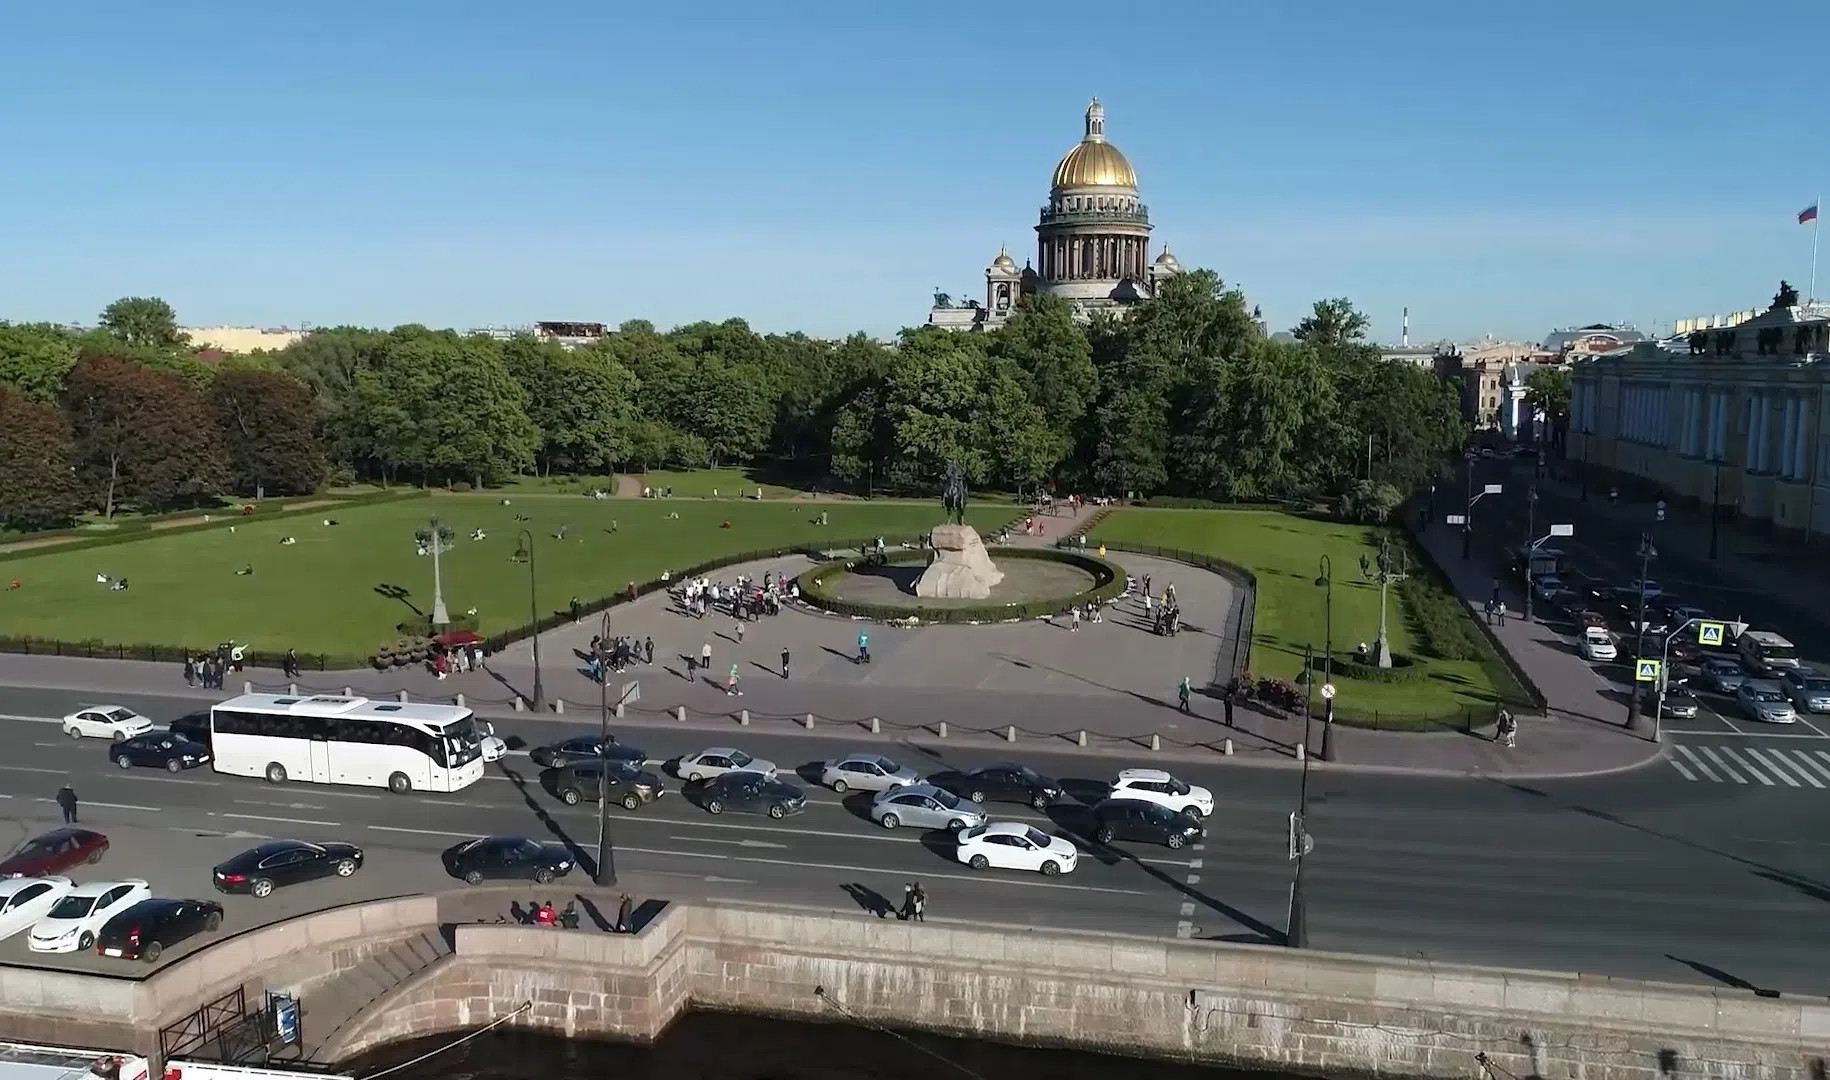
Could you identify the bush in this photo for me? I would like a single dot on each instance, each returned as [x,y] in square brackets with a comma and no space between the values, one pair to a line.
[420,626]
[460,485]
[1403,669]
[1108,583]
[1441,620]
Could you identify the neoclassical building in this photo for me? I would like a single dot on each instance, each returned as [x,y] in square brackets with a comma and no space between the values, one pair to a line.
[1092,242]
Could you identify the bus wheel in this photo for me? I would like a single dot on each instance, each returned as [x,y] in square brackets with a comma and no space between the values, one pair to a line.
[276,773]
[399,784]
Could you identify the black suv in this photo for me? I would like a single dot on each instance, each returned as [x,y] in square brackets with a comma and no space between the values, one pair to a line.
[621,783]
[145,930]
[1002,782]
[584,748]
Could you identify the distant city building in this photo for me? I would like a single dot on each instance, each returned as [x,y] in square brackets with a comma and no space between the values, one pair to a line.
[1092,242]
[1591,339]
[1492,373]
[242,339]
[571,334]
[1736,416]
[1713,322]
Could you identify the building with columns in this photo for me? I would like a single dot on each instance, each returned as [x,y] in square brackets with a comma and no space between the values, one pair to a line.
[1092,242]
[1736,416]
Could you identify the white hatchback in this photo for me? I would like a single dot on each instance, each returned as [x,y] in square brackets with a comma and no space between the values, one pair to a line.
[1598,644]
[105,722]
[25,900]
[1159,787]
[1012,845]
[79,915]
[718,760]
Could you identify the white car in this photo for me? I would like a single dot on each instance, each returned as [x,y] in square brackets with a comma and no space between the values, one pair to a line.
[494,749]
[866,772]
[1598,644]
[25,900]
[105,722]
[718,760]
[1157,786]
[1012,845]
[79,915]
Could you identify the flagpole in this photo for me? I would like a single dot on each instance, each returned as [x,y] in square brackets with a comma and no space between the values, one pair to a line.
[1817,226]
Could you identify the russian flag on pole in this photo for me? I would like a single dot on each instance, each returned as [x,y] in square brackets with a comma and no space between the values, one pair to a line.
[1809,213]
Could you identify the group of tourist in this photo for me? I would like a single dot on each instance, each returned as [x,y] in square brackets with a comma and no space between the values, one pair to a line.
[618,653]
[1165,616]
[744,599]
[210,669]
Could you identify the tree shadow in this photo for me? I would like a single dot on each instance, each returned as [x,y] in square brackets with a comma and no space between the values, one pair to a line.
[584,859]
[400,593]
[1723,977]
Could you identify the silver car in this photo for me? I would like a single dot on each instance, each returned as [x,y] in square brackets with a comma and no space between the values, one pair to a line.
[1809,690]
[925,806]
[1766,703]
[866,772]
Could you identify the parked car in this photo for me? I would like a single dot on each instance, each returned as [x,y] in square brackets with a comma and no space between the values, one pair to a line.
[145,930]
[105,722]
[511,857]
[1597,645]
[1157,786]
[924,806]
[584,748]
[866,772]
[25,900]
[160,750]
[1003,782]
[752,793]
[1723,676]
[55,852]
[79,915]
[1131,819]
[261,869]
[718,760]
[621,783]
[1766,703]
[1808,690]
[1680,703]
[1011,845]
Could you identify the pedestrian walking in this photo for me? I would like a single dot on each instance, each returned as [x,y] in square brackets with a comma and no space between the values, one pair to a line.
[292,663]
[1499,611]
[1146,584]
[740,625]
[648,649]
[907,914]
[691,662]
[577,609]
[66,801]
[705,656]
[1183,693]
[784,663]
[864,647]
[1074,619]
[730,684]
[190,671]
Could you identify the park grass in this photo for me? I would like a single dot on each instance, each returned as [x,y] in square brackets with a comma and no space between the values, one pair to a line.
[324,594]
[1284,552]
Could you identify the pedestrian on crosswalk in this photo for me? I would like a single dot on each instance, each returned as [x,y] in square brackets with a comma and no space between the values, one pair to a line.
[784,663]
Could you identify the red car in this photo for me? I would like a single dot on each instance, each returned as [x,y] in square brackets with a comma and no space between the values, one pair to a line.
[54,852]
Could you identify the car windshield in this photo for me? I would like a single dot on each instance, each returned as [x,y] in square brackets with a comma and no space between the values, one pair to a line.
[1817,684]
[885,764]
[1177,787]
[118,714]
[74,907]
[1769,695]
[945,798]
[739,759]
[1036,836]
[1722,667]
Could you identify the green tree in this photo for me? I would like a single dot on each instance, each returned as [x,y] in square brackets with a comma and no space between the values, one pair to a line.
[329,361]
[1547,389]
[444,408]
[269,429]
[1055,362]
[35,357]
[142,436]
[582,402]
[37,488]
[1332,325]
[1369,502]
[144,320]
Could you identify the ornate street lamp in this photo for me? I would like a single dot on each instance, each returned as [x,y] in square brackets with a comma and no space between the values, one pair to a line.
[525,550]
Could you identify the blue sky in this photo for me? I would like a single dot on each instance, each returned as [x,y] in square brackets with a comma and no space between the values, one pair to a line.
[1499,168]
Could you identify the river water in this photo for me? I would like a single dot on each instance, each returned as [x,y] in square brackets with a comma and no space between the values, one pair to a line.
[724,1046]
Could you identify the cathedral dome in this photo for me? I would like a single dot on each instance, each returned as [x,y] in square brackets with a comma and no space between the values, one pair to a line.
[1095,163]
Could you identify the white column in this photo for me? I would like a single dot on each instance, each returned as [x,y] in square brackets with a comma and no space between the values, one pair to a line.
[1763,424]
[1801,446]
[1788,437]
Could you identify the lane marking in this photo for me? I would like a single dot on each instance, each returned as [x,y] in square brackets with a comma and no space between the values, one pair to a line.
[1710,752]
[1744,734]
[1809,724]
[1194,879]
[1784,775]
[109,805]
[31,719]
[282,820]
[1805,756]
[1185,929]
[1751,771]
[32,769]
[1784,758]
[743,842]
[1701,765]
[1683,770]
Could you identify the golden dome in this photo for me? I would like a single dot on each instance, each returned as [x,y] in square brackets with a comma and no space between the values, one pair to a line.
[1004,261]
[1095,162]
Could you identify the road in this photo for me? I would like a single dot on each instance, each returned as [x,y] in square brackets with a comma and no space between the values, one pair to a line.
[1640,874]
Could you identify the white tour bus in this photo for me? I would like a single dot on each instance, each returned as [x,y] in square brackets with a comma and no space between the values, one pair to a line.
[327,739]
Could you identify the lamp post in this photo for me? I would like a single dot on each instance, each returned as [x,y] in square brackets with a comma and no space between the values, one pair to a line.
[1531,550]
[435,537]
[526,550]
[1715,508]
[1467,521]
[1326,583]
[1390,567]
[606,853]
[1296,928]
[1646,554]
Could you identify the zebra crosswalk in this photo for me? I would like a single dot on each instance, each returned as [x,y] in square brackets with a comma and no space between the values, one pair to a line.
[1746,763]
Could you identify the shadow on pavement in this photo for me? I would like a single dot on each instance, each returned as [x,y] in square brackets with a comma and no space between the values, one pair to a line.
[1721,976]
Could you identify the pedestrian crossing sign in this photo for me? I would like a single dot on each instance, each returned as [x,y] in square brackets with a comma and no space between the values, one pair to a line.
[1709,633]
[1647,671]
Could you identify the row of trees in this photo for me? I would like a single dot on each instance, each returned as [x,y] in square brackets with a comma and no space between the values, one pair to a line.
[1185,395]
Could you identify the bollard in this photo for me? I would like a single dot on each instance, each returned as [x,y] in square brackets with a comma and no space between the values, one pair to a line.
[347,692]
[1010,733]
[619,710]
[293,689]
[941,730]
[247,688]
[460,701]
[1226,747]
[680,713]
[520,703]
[1082,740]
[1300,752]
[743,717]
[876,726]
[1156,742]
[559,705]
[807,721]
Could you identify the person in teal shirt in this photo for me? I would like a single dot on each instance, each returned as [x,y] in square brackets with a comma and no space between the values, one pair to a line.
[1182,694]
[864,647]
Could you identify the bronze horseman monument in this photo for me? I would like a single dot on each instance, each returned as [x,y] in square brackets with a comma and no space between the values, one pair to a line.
[958,568]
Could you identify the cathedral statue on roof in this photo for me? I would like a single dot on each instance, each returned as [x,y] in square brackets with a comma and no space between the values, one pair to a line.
[1092,242]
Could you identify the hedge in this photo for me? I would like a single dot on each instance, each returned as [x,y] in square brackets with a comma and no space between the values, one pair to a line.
[141,528]
[1177,502]
[1108,579]
[172,654]
[1404,669]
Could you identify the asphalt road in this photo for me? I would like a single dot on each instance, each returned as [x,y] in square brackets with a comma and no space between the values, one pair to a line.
[1640,874]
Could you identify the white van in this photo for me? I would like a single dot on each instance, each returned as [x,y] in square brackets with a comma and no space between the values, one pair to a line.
[1763,651]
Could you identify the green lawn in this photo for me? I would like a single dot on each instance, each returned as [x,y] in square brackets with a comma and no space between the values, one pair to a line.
[319,595]
[1285,551]
[714,483]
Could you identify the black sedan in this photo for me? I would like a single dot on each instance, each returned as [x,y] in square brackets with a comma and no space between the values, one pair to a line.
[585,748]
[1002,782]
[145,930]
[159,750]
[751,793]
[259,870]
[1135,819]
[514,857]
[621,783]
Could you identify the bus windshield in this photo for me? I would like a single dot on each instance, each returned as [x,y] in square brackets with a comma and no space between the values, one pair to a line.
[463,742]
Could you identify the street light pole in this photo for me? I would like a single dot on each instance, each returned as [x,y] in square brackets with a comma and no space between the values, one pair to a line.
[1296,927]
[1326,582]
[606,853]
[1531,534]
[1467,524]
[526,539]
[1639,636]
